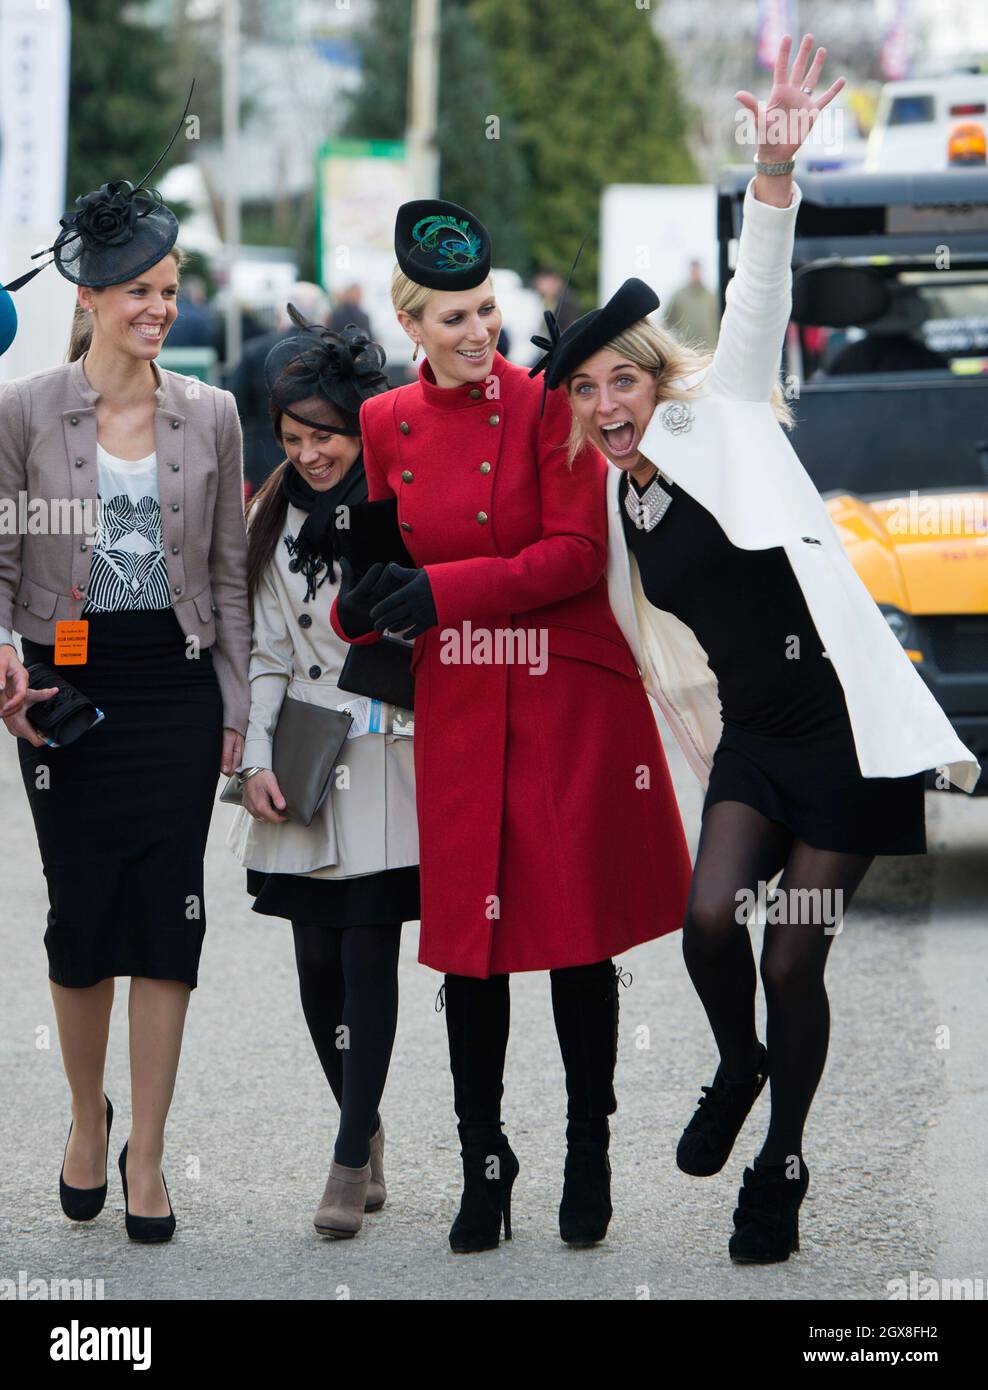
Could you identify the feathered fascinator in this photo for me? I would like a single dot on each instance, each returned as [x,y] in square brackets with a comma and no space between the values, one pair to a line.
[441,245]
[343,369]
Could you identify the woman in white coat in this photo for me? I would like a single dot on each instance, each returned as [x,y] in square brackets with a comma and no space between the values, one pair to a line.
[788,692]
[349,879]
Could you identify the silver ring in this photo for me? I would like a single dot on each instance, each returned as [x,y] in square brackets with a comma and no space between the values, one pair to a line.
[807,90]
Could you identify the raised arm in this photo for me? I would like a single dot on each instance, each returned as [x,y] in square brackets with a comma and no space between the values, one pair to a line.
[759,297]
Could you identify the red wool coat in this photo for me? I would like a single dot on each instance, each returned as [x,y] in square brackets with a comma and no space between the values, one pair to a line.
[548,829]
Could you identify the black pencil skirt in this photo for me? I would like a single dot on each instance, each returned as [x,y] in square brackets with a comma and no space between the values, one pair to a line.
[123,813]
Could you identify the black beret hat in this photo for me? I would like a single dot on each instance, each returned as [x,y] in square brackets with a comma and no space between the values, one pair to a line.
[587,335]
[441,245]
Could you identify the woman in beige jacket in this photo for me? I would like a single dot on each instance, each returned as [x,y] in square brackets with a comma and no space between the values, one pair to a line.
[159,589]
[348,880]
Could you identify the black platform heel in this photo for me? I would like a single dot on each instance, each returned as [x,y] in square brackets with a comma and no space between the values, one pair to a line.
[148,1229]
[83,1203]
[766,1220]
[707,1141]
[489,1171]
[585,1210]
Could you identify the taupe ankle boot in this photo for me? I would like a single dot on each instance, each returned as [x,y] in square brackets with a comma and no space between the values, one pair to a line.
[377,1192]
[341,1212]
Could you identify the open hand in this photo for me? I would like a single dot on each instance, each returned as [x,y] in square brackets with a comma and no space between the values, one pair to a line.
[792,109]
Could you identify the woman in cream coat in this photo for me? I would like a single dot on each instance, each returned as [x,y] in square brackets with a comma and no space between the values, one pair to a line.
[786,689]
[349,879]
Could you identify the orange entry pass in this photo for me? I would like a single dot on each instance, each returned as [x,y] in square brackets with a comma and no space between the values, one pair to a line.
[71,641]
[72,638]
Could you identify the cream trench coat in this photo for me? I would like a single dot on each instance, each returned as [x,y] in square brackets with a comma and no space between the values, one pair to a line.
[728,451]
[360,829]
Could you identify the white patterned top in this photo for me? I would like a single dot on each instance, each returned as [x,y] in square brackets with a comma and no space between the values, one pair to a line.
[128,569]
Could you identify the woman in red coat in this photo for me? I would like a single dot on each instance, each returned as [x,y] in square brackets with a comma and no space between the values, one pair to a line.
[536,752]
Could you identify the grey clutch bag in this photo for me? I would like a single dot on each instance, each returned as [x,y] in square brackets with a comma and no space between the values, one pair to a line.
[307,746]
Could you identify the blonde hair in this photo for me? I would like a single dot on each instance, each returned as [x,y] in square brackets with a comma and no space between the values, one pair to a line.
[410,298]
[81,332]
[668,359]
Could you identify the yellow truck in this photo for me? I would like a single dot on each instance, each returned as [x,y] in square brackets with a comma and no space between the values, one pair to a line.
[886,370]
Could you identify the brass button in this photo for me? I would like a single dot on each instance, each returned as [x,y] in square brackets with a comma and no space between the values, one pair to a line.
[404,426]
[177,589]
[406,526]
[79,462]
[476,394]
[174,506]
[174,549]
[482,518]
[407,475]
[315,672]
[485,467]
[493,419]
[74,420]
[305,620]
[176,424]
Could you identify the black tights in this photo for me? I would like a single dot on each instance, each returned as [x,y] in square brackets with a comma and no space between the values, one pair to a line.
[585,1011]
[738,848]
[348,981]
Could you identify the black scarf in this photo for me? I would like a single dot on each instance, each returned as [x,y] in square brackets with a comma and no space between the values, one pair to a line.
[317,543]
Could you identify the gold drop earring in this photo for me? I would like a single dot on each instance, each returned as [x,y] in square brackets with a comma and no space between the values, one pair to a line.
[416,352]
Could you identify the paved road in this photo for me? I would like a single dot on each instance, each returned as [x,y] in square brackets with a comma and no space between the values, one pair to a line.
[894,1146]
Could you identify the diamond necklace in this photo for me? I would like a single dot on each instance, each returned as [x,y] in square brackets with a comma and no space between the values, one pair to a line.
[647,510]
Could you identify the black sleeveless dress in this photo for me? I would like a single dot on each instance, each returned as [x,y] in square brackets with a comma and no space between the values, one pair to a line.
[787,748]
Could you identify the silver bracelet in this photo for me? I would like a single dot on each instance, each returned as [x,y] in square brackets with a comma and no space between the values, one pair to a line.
[247,773]
[785,167]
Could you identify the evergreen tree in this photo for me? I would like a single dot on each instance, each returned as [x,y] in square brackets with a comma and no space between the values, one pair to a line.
[594,100]
[124,96]
[487,175]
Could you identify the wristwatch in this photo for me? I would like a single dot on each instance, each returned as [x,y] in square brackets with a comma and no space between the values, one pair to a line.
[785,167]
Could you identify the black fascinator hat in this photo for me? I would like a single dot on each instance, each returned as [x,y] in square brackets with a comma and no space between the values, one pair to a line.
[344,369]
[442,246]
[116,232]
[632,302]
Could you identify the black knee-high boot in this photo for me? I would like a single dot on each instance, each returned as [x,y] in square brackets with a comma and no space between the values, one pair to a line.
[477,1019]
[585,1007]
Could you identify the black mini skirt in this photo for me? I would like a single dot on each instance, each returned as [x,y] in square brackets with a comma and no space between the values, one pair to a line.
[812,784]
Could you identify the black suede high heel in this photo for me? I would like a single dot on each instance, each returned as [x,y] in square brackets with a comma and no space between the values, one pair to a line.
[585,1210]
[489,1171]
[83,1203]
[146,1228]
[766,1219]
[707,1141]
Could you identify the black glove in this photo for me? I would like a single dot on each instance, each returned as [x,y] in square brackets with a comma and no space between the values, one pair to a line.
[409,608]
[355,600]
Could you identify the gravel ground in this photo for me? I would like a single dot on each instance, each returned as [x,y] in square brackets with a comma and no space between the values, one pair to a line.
[894,1144]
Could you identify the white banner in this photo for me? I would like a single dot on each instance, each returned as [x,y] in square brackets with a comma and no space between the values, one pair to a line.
[34,80]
